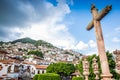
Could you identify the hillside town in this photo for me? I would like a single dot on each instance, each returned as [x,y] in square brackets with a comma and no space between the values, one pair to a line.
[59,40]
[15,56]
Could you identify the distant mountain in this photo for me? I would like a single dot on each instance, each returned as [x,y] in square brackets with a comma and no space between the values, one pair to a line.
[24,40]
[35,42]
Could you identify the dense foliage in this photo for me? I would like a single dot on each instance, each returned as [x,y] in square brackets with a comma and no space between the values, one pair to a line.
[66,52]
[43,43]
[77,78]
[61,68]
[111,63]
[36,77]
[47,76]
[37,53]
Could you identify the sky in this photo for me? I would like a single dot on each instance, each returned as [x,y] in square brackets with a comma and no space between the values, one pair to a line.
[60,22]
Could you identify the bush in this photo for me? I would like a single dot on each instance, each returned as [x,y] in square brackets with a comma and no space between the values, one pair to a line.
[36,77]
[77,78]
[46,76]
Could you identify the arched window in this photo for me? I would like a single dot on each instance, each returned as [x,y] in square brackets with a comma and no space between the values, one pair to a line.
[38,71]
[9,69]
[42,71]
[1,67]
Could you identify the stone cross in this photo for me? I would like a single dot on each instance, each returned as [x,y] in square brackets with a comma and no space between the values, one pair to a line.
[99,37]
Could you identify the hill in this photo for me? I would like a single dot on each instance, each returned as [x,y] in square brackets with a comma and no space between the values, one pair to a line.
[49,51]
[39,43]
[35,42]
[24,40]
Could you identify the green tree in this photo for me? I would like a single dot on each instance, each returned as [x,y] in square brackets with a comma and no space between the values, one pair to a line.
[63,69]
[91,75]
[37,53]
[36,77]
[80,66]
[66,52]
[111,63]
[43,43]
[24,57]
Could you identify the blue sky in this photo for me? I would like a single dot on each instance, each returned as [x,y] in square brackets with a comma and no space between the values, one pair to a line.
[60,22]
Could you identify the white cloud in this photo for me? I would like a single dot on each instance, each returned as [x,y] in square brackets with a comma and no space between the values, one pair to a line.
[92,52]
[51,28]
[117,29]
[115,39]
[92,48]
[48,25]
[92,44]
[81,46]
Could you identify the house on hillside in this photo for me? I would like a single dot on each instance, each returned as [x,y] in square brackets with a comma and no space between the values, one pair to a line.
[11,68]
[3,55]
[35,68]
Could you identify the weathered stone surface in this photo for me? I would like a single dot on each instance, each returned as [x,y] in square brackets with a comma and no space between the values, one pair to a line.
[100,16]
[117,60]
[85,68]
[100,41]
[95,68]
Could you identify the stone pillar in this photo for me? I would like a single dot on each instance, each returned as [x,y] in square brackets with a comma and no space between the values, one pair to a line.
[12,68]
[95,68]
[117,60]
[85,68]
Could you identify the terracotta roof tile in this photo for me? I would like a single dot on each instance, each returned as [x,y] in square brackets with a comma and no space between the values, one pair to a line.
[41,67]
[27,62]
[3,52]
[7,61]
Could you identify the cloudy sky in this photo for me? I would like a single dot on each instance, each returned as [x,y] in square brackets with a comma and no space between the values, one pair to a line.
[60,22]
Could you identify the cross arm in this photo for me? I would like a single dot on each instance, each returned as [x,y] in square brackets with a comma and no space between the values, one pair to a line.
[100,15]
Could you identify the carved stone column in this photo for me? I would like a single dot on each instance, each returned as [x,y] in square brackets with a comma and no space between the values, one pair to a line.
[85,68]
[117,60]
[95,68]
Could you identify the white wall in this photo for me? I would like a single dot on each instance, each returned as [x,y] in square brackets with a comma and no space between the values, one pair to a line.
[4,69]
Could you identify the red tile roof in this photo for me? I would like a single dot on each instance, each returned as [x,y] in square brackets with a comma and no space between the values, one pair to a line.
[28,62]
[3,52]
[7,61]
[41,67]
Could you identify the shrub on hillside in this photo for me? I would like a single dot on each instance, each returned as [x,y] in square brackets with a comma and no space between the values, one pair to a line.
[77,78]
[46,76]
